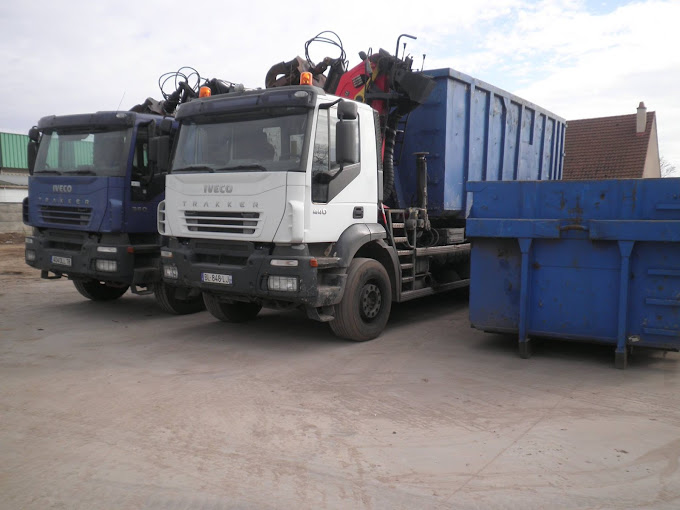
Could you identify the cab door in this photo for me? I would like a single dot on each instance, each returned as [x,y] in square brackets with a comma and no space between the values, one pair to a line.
[146,186]
[340,195]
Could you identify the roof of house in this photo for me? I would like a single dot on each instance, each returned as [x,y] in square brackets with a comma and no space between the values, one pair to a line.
[606,147]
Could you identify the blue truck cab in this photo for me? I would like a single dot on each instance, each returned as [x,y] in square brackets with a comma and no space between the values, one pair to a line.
[96,181]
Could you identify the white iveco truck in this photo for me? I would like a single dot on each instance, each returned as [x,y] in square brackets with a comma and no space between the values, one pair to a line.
[275,199]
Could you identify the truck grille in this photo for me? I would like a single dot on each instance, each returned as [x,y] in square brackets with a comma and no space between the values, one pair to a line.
[218,222]
[65,215]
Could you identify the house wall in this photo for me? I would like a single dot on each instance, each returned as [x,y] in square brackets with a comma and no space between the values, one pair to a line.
[652,161]
[11,219]
[11,210]
[14,195]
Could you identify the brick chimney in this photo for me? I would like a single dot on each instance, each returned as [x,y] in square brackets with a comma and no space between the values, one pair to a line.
[641,118]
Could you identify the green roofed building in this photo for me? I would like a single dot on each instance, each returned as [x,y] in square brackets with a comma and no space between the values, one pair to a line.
[13,154]
[13,181]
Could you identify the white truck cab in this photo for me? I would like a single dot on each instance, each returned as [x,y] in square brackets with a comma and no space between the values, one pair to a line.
[273,200]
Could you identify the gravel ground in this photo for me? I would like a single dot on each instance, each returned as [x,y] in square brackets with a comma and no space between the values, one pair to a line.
[120,406]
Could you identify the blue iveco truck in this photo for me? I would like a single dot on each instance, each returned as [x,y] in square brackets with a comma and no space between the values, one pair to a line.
[96,180]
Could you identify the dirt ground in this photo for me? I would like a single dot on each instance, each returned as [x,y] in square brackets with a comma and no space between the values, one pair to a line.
[120,406]
[12,258]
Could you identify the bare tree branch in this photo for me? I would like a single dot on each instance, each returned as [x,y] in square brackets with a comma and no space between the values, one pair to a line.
[667,169]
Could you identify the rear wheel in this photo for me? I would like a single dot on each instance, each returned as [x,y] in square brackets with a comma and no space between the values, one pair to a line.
[98,291]
[365,307]
[237,311]
[177,300]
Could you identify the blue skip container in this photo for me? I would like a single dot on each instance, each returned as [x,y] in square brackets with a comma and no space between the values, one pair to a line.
[473,131]
[584,260]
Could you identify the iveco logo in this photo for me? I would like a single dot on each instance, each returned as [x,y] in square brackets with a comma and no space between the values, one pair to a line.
[62,188]
[319,211]
[217,188]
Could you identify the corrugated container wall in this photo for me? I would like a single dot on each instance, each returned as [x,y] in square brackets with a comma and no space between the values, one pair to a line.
[13,151]
[586,260]
[474,131]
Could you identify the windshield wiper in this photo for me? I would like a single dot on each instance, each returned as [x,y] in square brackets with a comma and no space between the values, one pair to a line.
[242,167]
[84,172]
[193,168]
[55,172]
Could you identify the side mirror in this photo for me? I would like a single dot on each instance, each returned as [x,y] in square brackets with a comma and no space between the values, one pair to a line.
[159,153]
[34,134]
[347,142]
[32,153]
[32,148]
[347,110]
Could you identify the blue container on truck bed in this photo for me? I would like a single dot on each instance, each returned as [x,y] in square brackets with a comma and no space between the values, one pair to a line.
[474,131]
[583,260]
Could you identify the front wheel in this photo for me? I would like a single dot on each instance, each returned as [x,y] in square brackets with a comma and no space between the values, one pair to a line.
[98,291]
[237,311]
[365,307]
[176,300]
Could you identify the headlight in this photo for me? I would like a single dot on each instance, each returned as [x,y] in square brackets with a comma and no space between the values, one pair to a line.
[170,272]
[283,283]
[166,254]
[107,266]
[30,255]
[107,249]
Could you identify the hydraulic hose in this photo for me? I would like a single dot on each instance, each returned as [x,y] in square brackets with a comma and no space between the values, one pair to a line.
[388,155]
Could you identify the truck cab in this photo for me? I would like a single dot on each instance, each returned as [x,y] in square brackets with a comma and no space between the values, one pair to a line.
[271,195]
[96,180]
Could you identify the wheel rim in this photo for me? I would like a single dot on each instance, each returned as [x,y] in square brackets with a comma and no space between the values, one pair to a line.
[371,301]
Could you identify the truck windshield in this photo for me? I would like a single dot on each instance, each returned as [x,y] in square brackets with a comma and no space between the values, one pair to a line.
[272,143]
[102,153]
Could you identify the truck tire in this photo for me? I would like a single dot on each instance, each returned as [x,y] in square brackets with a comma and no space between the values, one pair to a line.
[231,312]
[166,295]
[98,291]
[365,307]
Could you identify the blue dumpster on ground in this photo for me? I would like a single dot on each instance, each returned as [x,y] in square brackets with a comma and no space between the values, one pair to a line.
[583,260]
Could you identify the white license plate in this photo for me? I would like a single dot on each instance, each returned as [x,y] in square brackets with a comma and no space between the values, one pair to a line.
[224,279]
[62,261]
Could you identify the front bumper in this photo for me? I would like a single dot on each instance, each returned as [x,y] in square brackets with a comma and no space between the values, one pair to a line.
[248,267]
[74,254]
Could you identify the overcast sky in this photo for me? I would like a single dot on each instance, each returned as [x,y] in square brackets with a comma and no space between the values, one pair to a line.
[576,58]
